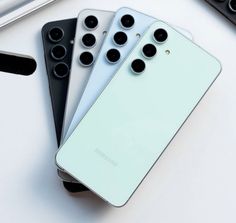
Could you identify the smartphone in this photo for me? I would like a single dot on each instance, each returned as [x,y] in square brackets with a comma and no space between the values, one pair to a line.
[225,7]
[125,31]
[92,26]
[58,39]
[138,114]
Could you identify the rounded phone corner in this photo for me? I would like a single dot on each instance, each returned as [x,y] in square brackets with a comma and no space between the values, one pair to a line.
[58,159]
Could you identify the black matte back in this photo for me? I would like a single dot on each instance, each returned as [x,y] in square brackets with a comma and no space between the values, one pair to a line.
[58,87]
[223,8]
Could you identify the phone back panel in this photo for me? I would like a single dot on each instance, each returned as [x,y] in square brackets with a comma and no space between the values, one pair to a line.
[103,71]
[224,9]
[80,74]
[137,116]
[58,86]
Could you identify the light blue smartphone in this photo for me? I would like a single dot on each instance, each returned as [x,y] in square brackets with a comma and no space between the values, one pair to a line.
[126,29]
[138,114]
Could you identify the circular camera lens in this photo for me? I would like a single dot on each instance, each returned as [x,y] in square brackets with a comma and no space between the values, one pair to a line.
[149,50]
[120,38]
[61,70]
[88,40]
[127,21]
[113,55]
[58,52]
[160,35]
[56,34]
[86,59]
[91,22]
[138,66]
[232,5]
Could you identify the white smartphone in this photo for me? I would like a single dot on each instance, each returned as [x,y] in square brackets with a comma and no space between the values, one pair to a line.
[11,10]
[125,31]
[92,26]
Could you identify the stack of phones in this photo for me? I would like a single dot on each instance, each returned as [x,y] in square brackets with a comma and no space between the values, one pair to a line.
[226,7]
[122,84]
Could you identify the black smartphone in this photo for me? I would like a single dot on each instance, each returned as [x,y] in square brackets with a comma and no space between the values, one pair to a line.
[58,41]
[225,7]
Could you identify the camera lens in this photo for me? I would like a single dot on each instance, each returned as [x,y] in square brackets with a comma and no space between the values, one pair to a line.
[86,59]
[56,34]
[91,22]
[160,35]
[61,70]
[58,52]
[232,5]
[127,21]
[88,40]
[120,38]
[138,66]
[149,50]
[113,55]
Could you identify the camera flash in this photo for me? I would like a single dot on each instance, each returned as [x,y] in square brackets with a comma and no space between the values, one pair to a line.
[167,52]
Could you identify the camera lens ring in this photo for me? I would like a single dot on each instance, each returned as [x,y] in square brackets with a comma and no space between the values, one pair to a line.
[120,38]
[86,59]
[138,66]
[149,51]
[91,22]
[232,5]
[56,34]
[88,40]
[160,35]
[61,70]
[127,21]
[113,56]
[58,52]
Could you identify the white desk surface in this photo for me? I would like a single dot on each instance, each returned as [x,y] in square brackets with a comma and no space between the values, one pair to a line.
[193,182]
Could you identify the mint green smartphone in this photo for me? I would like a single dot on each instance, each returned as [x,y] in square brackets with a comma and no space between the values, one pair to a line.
[138,114]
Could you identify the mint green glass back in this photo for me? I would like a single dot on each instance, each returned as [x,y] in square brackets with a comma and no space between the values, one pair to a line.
[136,117]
